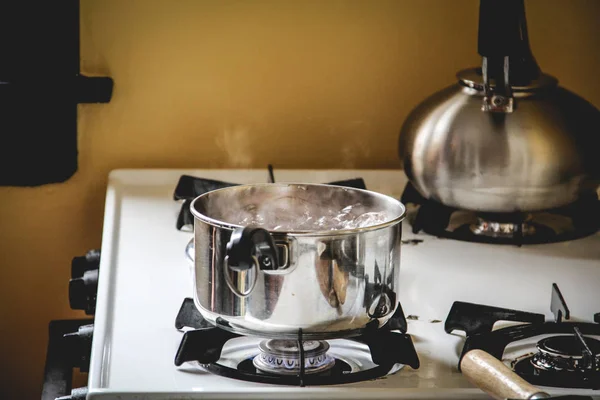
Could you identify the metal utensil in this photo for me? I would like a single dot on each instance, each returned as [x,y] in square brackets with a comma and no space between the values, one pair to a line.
[506,137]
[329,283]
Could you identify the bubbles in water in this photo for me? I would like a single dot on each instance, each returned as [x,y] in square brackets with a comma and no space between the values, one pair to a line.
[296,207]
[367,219]
[303,218]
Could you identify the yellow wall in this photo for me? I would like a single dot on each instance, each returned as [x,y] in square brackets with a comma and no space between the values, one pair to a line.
[213,84]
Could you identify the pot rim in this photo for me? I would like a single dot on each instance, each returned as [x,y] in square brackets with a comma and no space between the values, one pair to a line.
[222,224]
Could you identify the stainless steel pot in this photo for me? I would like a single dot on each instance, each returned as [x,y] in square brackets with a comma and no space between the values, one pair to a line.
[506,137]
[271,283]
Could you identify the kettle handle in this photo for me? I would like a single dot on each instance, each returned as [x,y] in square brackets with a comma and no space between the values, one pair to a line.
[499,99]
[506,57]
[498,39]
[499,28]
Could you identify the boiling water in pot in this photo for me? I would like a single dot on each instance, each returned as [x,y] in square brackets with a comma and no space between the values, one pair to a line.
[307,218]
[297,207]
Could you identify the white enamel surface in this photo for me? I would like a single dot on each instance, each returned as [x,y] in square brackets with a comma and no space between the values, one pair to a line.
[144,277]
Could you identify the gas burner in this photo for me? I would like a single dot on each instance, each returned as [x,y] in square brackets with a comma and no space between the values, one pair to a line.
[563,361]
[573,221]
[282,357]
[352,362]
[567,353]
[375,353]
[339,369]
[567,356]
[495,229]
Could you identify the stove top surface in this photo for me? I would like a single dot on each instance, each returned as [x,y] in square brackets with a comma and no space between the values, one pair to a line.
[145,276]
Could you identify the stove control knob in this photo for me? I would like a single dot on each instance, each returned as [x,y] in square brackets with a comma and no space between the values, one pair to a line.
[79,345]
[76,394]
[90,261]
[82,292]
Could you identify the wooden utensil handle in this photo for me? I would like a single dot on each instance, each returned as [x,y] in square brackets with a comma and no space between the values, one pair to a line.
[496,379]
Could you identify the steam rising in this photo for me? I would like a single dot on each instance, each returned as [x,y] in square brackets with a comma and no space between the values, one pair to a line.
[297,207]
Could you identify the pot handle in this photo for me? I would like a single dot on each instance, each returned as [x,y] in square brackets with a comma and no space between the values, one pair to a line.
[234,288]
[251,246]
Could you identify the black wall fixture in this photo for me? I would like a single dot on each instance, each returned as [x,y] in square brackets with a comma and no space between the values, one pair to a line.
[40,87]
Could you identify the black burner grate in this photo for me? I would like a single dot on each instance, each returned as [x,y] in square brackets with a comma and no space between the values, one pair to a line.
[477,318]
[339,374]
[389,345]
[477,321]
[435,218]
[188,188]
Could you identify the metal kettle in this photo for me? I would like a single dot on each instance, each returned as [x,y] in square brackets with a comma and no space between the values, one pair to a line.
[505,137]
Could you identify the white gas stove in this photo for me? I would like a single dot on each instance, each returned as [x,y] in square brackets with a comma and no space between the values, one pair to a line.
[144,277]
